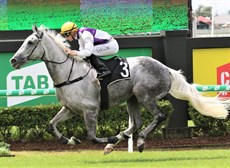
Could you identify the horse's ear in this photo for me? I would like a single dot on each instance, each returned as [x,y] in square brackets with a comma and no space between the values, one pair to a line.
[35,28]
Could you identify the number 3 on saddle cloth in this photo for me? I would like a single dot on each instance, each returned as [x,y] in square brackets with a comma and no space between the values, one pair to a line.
[119,69]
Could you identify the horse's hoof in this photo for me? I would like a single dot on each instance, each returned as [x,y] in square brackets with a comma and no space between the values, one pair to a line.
[74,141]
[107,151]
[77,141]
[141,147]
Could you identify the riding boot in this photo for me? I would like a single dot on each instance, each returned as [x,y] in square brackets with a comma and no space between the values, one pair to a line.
[100,66]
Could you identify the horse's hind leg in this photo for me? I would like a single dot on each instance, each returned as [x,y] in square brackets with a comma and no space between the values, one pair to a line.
[63,115]
[159,116]
[133,108]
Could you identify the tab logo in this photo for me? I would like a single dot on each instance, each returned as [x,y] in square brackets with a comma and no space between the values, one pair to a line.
[223,78]
[32,77]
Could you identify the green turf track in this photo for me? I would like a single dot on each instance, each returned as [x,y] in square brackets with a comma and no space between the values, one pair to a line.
[119,159]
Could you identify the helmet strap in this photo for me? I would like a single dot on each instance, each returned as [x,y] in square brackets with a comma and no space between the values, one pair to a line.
[73,37]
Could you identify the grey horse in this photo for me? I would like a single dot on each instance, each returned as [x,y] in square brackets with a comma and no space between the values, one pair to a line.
[149,81]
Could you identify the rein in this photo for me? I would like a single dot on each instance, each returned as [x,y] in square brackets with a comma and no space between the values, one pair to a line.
[67,82]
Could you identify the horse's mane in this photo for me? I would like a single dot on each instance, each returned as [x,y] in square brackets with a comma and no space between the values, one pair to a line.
[58,38]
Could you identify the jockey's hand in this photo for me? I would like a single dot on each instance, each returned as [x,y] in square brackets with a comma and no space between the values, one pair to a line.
[70,52]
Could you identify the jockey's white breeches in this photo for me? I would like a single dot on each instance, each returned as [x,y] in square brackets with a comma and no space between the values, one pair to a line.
[106,49]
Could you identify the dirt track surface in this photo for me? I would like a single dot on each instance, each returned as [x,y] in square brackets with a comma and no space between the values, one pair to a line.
[195,142]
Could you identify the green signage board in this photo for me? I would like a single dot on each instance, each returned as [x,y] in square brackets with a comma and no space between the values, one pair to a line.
[35,76]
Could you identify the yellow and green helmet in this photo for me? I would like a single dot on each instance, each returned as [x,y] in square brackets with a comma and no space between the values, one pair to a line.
[68,27]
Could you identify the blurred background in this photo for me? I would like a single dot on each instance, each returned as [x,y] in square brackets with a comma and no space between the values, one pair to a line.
[117,17]
[211,17]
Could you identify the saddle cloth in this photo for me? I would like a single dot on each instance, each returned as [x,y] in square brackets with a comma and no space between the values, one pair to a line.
[119,69]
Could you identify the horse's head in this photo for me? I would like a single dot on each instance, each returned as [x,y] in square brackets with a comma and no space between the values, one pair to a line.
[31,49]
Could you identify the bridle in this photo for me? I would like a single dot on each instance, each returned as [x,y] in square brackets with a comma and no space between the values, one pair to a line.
[68,81]
[48,61]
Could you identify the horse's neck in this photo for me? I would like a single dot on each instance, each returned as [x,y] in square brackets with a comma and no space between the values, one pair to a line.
[60,72]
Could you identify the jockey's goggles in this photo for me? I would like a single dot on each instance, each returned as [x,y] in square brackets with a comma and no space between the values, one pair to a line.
[66,34]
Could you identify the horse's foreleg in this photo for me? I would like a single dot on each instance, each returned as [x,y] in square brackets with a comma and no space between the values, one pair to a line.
[90,118]
[63,115]
[133,109]
[159,117]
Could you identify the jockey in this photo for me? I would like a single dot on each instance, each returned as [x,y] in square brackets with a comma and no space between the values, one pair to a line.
[93,43]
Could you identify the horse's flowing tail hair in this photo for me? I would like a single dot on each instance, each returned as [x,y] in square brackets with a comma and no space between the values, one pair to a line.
[208,106]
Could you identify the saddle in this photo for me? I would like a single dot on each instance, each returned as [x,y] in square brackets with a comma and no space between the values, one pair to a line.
[119,69]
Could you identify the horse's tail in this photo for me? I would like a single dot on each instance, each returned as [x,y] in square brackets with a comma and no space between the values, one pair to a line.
[208,106]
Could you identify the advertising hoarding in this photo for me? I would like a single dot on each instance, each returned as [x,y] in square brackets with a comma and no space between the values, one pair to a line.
[212,67]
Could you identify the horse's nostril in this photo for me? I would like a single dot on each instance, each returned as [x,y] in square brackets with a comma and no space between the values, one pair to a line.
[13,61]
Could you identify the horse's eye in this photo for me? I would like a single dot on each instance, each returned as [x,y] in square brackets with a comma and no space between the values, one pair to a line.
[30,42]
